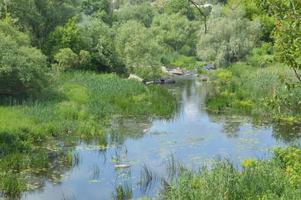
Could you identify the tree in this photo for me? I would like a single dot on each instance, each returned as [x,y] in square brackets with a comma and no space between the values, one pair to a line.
[23,69]
[98,8]
[288,32]
[136,47]
[231,38]
[98,40]
[143,13]
[204,10]
[181,7]
[175,33]
[39,17]
[67,36]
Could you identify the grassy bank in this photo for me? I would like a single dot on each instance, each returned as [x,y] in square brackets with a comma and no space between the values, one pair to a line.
[267,93]
[277,178]
[81,105]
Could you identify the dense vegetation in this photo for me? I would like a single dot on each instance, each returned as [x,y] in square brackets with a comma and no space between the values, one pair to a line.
[54,53]
[277,178]
[83,107]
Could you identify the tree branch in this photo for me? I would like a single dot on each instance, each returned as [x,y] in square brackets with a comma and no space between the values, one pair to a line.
[297,75]
[201,12]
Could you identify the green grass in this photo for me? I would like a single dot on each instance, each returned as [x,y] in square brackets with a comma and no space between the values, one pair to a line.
[277,178]
[82,107]
[263,92]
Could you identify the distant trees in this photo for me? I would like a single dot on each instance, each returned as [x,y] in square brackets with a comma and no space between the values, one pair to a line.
[137,47]
[39,17]
[139,35]
[67,36]
[98,39]
[142,13]
[175,32]
[231,38]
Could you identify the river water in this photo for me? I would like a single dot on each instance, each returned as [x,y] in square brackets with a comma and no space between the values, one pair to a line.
[140,151]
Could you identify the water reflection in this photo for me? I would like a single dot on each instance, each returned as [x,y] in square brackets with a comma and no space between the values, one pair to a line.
[138,151]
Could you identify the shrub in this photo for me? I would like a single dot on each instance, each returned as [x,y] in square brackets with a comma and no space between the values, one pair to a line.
[23,69]
[66,59]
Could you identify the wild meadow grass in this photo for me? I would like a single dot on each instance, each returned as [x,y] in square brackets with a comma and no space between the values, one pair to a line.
[277,178]
[268,92]
[81,105]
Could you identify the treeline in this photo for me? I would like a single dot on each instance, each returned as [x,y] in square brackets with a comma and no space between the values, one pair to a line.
[41,38]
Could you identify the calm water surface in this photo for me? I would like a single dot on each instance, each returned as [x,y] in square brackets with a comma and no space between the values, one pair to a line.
[193,137]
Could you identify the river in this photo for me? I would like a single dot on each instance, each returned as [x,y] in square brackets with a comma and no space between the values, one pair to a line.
[141,152]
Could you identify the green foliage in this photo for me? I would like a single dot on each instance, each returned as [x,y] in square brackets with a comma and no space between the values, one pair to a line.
[87,102]
[290,161]
[269,179]
[179,6]
[230,39]
[66,59]
[175,33]
[98,8]
[38,17]
[241,87]
[22,68]
[86,99]
[142,13]
[263,56]
[288,32]
[136,46]
[185,62]
[98,40]
[67,36]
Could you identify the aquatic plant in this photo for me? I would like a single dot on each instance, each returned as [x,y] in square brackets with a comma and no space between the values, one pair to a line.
[123,192]
[263,179]
[263,92]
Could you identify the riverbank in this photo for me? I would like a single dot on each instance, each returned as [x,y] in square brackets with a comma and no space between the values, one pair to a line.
[277,178]
[269,93]
[81,105]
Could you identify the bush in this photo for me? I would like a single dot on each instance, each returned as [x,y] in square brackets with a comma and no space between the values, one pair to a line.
[262,57]
[66,59]
[98,40]
[23,69]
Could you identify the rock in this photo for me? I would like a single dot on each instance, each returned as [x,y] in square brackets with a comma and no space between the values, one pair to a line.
[135,77]
[204,78]
[177,71]
[209,67]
